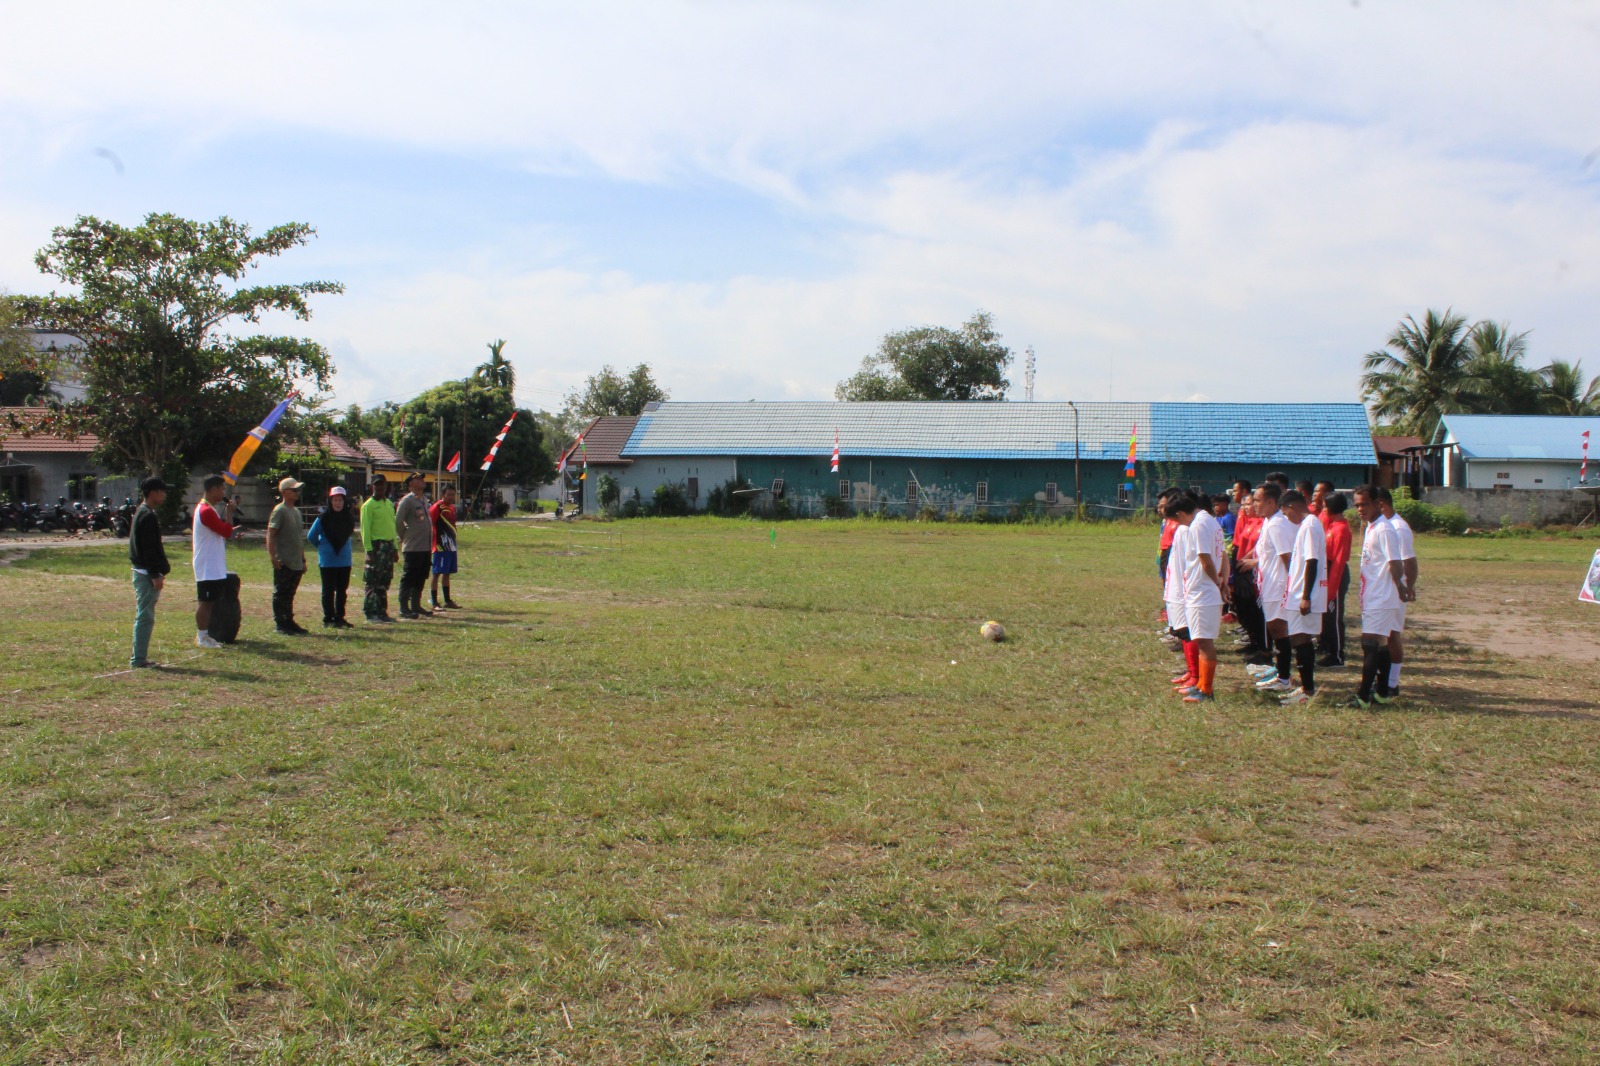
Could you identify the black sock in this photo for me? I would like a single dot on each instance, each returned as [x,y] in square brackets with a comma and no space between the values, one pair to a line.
[1306,656]
[1282,644]
[1383,671]
[1369,670]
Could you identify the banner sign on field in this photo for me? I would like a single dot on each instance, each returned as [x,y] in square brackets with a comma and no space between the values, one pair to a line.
[1590,593]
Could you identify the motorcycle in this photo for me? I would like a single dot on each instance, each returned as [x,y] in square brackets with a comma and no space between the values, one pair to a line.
[100,517]
[122,520]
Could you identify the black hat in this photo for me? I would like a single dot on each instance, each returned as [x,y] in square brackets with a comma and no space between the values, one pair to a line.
[153,484]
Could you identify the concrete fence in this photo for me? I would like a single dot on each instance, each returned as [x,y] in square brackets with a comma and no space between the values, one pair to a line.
[1492,508]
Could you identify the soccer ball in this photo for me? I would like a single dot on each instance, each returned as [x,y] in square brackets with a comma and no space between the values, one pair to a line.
[993,630]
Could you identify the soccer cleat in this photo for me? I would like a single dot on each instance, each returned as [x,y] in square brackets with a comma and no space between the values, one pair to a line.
[1199,697]
[1357,703]
[452,604]
[1297,697]
[1276,684]
[1385,697]
[1187,692]
[1229,619]
[1184,684]
[1331,664]
[1261,671]
[205,640]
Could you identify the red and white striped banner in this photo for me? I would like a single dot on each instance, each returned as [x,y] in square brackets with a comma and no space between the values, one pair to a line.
[454,464]
[1583,470]
[494,449]
[835,451]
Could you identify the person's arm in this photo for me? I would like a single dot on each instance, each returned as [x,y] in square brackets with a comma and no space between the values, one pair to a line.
[314,534]
[213,521]
[1311,583]
[1410,566]
[272,539]
[1397,571]
[366,525]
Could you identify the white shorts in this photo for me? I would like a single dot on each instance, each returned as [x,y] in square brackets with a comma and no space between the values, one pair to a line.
[1304,625]
[1205,620]
[1381,621]
[1176,616]
[1272,607]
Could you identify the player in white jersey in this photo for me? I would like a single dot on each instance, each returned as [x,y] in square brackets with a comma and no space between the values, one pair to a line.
[1205,575]
[1177,616]
[1274,546]
[1383,591]
[1306,592]
[1406,542]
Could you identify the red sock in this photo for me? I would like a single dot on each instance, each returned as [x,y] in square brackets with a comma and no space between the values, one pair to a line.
[1191,656]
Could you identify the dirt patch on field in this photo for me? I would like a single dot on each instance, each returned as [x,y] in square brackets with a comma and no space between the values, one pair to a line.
[1519,623]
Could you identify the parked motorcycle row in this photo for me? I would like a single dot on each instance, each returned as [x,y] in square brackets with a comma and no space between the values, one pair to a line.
[73,519]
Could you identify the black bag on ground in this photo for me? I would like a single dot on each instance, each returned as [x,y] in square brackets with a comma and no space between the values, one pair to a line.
[225,614]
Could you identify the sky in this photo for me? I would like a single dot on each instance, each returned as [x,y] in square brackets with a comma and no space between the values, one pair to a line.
[1217,199]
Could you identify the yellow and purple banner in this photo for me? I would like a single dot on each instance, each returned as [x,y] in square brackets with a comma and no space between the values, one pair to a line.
[242,456]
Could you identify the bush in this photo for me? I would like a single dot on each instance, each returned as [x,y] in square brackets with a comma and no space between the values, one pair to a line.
[835,506]
[631,509]
[526,505]
[1425,517]
[608,491]
[669,500]
[1450,518]
[722,501]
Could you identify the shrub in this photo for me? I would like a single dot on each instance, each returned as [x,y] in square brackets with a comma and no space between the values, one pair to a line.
[835,506]
[526,505]
[1419,515]
[608,491]
[722,501]
[670,500]
[631,509]
[1450,518]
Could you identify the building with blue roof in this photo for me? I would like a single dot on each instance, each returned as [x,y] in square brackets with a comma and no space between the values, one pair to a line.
[1505,452]
[902,457]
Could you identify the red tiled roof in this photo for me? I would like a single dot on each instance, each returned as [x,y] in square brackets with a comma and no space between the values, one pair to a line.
[337,448]
[12,440]
[1393,446]
[604,439]
[383,455]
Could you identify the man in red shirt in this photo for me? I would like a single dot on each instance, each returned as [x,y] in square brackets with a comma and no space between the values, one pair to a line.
[1246,605]
[443,515]
[1331,642]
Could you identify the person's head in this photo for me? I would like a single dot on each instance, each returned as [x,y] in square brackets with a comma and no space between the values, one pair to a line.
[448,494]
[1293,505]
[154,491]
[415,483]
[1336,504]
[1385,499]
[1267,495]
[1241,491]
[289,491]
[1219,504]
[1305,488]
[1279,478]
[1367,505]
[1323,490]
[214,488]
[1181,508]
[380,489]
[336,498]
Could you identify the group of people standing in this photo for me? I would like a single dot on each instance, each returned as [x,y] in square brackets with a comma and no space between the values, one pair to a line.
[1274,561]
[421,535]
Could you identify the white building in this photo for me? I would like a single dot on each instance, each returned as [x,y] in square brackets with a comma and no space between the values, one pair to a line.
[1543,452]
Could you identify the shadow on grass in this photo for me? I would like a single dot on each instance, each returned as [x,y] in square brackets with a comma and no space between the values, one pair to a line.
[1454,699]
[279,653]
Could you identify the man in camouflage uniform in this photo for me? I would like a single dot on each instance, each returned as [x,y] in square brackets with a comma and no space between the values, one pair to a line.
[377,536]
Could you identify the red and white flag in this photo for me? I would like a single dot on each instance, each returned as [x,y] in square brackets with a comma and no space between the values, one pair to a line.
[494,449]
[1583,471]
[835,451]
[454,464]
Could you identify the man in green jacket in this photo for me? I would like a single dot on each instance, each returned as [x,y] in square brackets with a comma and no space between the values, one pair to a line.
[377,537]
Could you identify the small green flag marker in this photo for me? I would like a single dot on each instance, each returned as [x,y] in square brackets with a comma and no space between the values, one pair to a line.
[774,538]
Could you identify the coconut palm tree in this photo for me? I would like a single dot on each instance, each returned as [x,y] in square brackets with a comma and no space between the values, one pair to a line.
[1563,391]
[1420,373]
[497,372]
[1499,382]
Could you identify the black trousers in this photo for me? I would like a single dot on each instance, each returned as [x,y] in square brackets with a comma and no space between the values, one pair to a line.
[335,588]
[414,579]
[284,584]
[1331,643]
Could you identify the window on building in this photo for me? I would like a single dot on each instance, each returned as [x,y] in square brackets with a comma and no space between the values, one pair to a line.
[983,492]
[777,488]
[694,488]
[81,487]
[1124,496]
[1050,494]
[844,489]
[911,494]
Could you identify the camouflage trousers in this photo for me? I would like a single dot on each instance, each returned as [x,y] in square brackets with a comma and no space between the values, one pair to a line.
[376,575]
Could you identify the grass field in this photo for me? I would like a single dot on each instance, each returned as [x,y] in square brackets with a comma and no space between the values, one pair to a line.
[710,799]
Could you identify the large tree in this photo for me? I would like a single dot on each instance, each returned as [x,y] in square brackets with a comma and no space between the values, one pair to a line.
[609,393]
[522,459]
[1498,381]
[1420,374]
[24,372]
[496,372]
[934,363]
[168,385]
[1564,392]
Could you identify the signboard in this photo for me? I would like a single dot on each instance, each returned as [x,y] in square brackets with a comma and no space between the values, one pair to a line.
[1590,592]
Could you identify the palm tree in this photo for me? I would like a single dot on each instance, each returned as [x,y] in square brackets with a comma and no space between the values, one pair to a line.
[1499,383]
[1561,384]
[497,372]
[1420,373]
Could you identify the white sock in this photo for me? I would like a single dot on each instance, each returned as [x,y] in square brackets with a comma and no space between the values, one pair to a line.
[1394,676]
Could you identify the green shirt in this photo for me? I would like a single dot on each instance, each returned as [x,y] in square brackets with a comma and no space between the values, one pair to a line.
[377,521]
[291,539]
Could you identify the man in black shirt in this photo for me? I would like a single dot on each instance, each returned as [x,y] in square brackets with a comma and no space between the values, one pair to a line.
[150,567]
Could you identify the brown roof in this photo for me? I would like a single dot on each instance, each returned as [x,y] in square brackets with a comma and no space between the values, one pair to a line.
[12,440]
[383,455]
[603,440]
[337,448]
[1391,447]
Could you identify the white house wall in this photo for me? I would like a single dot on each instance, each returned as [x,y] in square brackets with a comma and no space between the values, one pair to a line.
[1521,474]
[646,474]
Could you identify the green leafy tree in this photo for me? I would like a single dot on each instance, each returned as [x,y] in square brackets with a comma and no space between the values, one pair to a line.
[934,363]
[1564,392]
[375,422]
[24,372]
[496,372]
[1420,374]
[522,459]
[609,393]
[1498,380]
[168,385]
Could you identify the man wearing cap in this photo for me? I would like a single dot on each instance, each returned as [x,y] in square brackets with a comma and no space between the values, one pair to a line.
[377,540]
[150,567]
[414,528]
[286,547]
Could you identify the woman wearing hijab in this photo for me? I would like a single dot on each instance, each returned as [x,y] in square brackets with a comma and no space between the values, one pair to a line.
[331,534]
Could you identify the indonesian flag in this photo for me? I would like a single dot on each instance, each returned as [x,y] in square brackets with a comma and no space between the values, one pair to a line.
[1583,470]
[494,449]
[835,451]
[454,465]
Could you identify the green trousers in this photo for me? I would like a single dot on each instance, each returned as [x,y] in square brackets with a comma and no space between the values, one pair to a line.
[145,595]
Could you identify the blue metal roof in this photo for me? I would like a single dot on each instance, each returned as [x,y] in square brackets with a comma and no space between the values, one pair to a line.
[1557,437]
[1328,433]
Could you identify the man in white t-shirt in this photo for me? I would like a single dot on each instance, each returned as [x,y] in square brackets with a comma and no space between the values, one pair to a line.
[1306,592]
[1205,575]
[1406,541]
[1383,591]
[1274,546]
[210,544]
[1177,617]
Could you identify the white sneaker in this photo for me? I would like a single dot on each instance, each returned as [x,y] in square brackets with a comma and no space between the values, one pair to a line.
[1261,670]
[203,640]
[1298,696]
[1276,684]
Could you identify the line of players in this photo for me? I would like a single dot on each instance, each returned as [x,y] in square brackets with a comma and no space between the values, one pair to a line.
[1276,575]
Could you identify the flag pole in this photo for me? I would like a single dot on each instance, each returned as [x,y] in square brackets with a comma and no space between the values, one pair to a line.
[438,465]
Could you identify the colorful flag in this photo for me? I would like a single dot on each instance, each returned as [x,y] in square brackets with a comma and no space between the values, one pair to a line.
[1133,454]
[454,464]
[835,451]
[583,446]
[1583,470]
[253,441]
[494,449]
